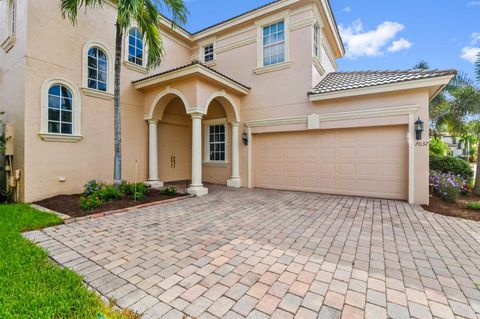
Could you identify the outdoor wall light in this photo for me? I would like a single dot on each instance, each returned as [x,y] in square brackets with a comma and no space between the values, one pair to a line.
[419,129]
[245,137]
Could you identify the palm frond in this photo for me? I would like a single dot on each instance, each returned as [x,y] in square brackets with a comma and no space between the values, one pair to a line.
[422,65]
[69,8]
[177,9]
[477,67]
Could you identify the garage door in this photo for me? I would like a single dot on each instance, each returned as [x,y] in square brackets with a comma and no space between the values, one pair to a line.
[370,161]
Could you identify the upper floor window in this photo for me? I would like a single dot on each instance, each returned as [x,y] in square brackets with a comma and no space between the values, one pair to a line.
[316,40]
[97,69]
[208,53]
[135,46]
[12,16]
[274,43]
[60,110]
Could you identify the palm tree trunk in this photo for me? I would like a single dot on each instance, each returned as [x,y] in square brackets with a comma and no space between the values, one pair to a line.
[476,188]
[117,170]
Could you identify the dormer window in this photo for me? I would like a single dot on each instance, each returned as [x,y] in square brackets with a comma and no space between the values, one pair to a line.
[274,43]
[208,53]
[316,40]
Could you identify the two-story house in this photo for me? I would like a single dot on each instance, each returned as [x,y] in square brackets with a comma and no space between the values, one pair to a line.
[254,101]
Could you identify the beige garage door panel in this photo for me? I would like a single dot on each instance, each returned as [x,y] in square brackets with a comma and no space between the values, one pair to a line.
[369,161]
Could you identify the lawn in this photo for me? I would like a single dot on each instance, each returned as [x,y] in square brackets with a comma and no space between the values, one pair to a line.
[31,286]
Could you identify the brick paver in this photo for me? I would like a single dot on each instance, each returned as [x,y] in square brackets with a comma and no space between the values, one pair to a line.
[240,253]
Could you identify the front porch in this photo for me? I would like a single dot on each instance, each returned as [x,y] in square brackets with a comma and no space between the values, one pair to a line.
[193,121]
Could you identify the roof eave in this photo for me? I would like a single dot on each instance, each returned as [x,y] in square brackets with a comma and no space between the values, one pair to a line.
[439,81]
[191,70]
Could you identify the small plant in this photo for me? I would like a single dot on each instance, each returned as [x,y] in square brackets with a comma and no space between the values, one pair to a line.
[90,202]
[138,196]
[169,190]
[109,192]
[138,188]
[447,185]
[473,205]
[92,187]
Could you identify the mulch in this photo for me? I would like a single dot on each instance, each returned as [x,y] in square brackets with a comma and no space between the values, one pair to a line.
[69,204]
[439,206]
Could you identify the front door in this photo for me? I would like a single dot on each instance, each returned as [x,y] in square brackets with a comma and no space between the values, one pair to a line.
[174,152]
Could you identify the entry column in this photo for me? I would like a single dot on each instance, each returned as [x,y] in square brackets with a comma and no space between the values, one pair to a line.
[196,187]
[153,180]
[234,180]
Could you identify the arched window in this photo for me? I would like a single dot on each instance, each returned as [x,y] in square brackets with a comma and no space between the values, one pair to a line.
[60,110]
[97,69]
[135,46]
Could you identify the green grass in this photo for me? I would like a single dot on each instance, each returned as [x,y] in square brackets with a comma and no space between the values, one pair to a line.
[31,286]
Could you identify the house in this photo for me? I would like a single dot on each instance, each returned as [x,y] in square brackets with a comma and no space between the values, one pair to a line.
[457,148]
[254,101]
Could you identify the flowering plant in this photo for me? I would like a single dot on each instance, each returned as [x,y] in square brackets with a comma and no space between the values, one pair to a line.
[448,185]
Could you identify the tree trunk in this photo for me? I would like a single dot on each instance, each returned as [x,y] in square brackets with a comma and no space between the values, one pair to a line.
[476,188]
[117,168]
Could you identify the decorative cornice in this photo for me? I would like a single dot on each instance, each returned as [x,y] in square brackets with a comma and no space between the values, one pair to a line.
[274,67]
[134,67]
[64,138]
[98,94]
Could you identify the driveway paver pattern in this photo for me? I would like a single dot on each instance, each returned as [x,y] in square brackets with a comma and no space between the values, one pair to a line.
[240,253]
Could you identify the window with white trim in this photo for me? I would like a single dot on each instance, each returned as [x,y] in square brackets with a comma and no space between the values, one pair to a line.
[316,40]
[97,69]
[60,109]
[135,46]
[216,144]
[12,17]
[274,43]
[208,53]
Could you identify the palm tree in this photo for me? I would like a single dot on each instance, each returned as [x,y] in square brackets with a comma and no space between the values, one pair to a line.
[146,14]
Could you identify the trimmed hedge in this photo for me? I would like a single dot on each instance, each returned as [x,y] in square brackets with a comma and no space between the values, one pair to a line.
[449,164]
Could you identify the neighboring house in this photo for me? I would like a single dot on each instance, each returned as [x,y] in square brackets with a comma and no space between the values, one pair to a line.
[457,148]
[266,76]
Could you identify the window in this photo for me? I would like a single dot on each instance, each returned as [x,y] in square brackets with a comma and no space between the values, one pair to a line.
[60,102]
[274,43]
[208,53]
[216,143]
[135,46]
[12,17]
[316,40]
[97,69]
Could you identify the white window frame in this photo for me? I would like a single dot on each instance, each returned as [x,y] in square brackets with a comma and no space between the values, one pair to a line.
[108,95]
[76,113]
[130,65]
[204,54]
[207,125]
[317,40]
[260,24]
[10,25]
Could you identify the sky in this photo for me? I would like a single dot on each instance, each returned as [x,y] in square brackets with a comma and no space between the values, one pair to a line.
[380,34]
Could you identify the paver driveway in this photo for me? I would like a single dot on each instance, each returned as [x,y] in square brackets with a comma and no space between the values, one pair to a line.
[261,254]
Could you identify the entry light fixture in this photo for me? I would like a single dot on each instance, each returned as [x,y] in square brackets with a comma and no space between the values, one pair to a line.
[419,129]
[245,137]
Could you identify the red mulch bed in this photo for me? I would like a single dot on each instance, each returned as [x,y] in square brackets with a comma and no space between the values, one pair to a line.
[69,204]
[439,206]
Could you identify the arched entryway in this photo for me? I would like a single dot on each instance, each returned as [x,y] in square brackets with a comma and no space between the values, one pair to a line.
[193,143]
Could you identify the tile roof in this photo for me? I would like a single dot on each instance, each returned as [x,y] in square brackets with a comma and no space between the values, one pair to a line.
[195,62]
[341,81]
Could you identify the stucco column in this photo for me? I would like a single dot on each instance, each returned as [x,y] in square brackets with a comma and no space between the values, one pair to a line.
[234,180]
[153,180]
[196,187]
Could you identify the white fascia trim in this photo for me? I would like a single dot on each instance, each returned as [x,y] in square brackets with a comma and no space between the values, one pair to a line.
[333,26]
[193,69]
[318,65]
[389,111]
[414,84]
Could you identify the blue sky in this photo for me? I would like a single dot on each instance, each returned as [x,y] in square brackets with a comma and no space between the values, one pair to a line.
[383,34]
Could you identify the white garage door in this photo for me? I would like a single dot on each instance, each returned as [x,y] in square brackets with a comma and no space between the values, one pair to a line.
[370,161]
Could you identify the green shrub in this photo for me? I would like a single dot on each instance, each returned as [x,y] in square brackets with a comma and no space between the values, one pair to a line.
[132,188]
[169,190]
[91,187]
[90,202]
[447,185]
[138,196]
[449,164]
[438,147]
[474,205]
[109,193]
[124,187]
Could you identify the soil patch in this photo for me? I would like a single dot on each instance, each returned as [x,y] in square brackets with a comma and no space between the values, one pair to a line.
[69,204]
[439,206]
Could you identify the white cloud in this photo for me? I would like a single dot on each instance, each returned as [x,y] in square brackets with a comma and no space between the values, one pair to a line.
[347,9]
[474,3]
[399,45]
[475,37]
[470,54]
[359,42]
